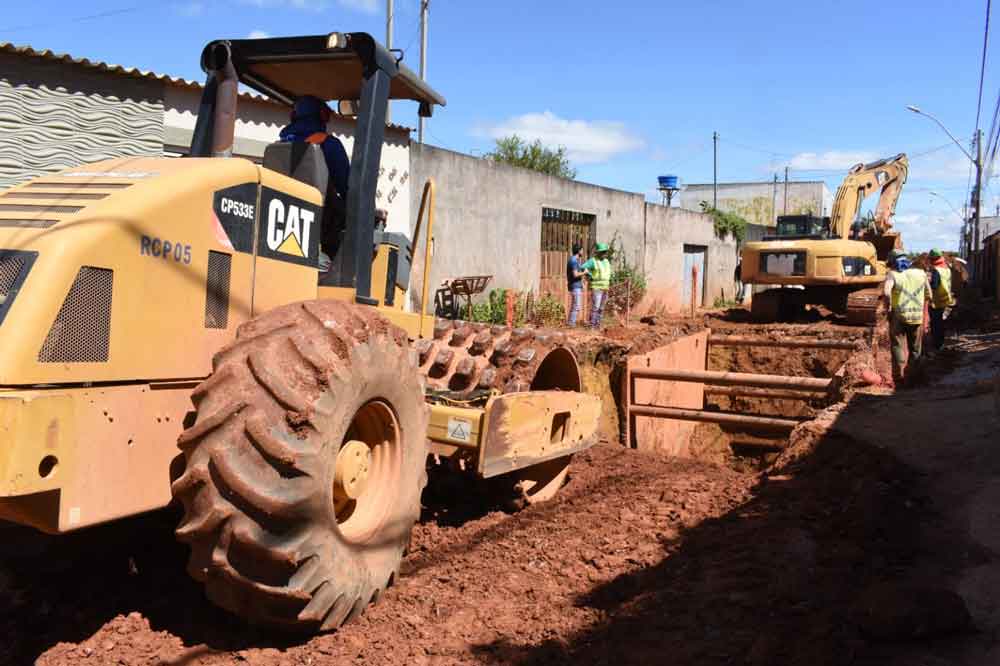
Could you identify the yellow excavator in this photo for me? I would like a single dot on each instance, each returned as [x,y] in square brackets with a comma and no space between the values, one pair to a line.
[167,336]
[838,261]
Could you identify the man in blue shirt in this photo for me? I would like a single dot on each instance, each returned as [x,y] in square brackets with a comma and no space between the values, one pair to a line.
[574,282]
[310,116]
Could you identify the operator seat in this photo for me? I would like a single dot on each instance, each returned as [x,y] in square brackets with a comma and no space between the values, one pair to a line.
[302,161]
[306,163]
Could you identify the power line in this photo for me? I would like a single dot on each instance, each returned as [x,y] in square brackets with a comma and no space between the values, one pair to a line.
[775,153]
[80,19]
[982,65]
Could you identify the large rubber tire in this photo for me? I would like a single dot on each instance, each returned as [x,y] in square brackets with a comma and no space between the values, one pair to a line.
[270,538]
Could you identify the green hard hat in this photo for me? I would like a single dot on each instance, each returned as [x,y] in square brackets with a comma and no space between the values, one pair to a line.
[896,254]
[601,247]
[934,254]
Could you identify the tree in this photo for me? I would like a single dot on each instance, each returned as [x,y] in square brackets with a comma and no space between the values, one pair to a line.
[516,151]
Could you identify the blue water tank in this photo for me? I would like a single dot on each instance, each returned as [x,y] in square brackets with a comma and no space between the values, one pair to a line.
[668,182]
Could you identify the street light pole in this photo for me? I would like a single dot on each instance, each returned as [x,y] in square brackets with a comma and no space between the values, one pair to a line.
[977,161]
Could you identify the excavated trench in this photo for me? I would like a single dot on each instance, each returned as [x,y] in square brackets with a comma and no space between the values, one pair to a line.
[745,448]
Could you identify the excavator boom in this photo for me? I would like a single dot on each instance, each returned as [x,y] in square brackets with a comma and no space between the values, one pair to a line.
[889,174]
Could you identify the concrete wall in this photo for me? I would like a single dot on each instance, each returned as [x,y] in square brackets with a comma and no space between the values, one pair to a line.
[54,116]
[488,221]
[760,203]
[668,231]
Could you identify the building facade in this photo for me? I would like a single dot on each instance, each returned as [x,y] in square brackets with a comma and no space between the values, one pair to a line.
[761,202]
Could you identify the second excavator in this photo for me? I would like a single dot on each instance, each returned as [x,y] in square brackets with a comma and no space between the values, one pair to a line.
[838,261]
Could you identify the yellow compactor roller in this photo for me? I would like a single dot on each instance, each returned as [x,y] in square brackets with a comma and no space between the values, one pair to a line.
[165,334]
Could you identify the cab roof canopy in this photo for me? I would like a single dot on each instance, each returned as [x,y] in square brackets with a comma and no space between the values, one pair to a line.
[330,67]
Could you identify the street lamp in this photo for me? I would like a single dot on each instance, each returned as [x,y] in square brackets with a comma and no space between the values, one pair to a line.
[977,161]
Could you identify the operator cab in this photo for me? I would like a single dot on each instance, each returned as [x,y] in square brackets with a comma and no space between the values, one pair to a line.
[359,76]
[801,227]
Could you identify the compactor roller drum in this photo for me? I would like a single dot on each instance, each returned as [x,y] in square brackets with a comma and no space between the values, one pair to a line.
[464,357]
[305,465]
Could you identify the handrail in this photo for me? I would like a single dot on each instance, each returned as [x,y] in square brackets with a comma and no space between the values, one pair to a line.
[428,193]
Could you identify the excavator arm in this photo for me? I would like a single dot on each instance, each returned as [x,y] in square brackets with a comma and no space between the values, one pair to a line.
[888,174]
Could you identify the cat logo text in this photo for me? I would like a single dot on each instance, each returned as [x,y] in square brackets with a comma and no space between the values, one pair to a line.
[289,228]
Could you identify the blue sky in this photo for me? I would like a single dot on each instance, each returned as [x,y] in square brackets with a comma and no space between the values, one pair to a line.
[633,89]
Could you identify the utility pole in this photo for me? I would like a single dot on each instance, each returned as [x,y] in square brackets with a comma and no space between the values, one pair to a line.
[979,190]
[774,201]
[424,5]
[389,18]
[715,170]
[785,210]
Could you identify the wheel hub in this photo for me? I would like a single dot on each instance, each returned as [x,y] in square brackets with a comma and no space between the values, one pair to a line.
[353,464]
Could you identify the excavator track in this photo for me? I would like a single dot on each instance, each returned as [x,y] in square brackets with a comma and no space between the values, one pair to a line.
[864,306]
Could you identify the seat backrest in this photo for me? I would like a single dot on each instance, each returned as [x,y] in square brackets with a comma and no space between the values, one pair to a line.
[302,161]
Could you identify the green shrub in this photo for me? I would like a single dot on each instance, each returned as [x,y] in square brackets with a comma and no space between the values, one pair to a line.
[726,223]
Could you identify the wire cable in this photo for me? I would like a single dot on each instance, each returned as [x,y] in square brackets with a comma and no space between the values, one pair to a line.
[982,66]
[81,19]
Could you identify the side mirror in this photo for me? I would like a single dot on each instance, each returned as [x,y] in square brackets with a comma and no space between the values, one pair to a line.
[348,107]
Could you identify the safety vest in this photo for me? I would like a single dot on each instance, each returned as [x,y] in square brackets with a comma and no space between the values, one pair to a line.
[317,138]
[600,274]
[942,297]
[908,295]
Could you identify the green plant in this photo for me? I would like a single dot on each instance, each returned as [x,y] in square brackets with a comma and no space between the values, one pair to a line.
[516,151]
[491,311]
[722,303]
[548,312]
[726,223]
[628,280]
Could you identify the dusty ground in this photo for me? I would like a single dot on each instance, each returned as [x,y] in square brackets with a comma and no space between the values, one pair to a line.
[847,551]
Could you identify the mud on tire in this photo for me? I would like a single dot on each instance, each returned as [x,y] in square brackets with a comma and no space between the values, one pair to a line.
[271,537]
[464,356]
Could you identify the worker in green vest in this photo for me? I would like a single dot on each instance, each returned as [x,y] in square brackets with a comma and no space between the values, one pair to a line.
[598,270]
[941,296]
[907,291]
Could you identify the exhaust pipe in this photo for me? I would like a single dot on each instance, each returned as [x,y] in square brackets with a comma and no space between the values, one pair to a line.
[226,100]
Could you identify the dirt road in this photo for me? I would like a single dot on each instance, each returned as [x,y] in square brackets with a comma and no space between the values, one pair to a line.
[639,560]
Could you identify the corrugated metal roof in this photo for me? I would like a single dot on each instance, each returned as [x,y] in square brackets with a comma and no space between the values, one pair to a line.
[7,47]
[134,72]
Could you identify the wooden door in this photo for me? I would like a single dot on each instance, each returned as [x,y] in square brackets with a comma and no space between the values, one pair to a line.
[560,230]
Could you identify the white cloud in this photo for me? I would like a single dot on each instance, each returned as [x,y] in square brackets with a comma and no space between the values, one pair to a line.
[258,34]
[367,6]
[937,168]
[928,228]
[305,5]
[586,142]
[190,9]
[831,160]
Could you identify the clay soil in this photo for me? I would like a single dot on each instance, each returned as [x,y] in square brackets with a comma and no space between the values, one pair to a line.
[873,539]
